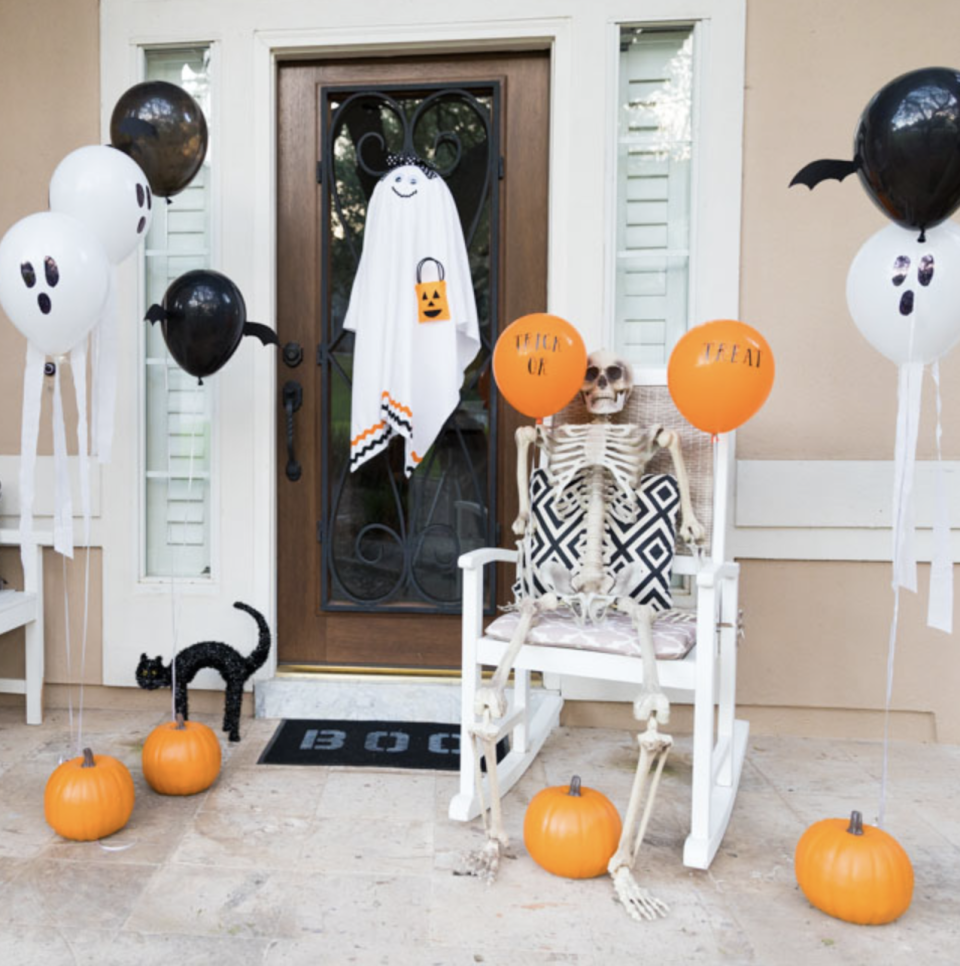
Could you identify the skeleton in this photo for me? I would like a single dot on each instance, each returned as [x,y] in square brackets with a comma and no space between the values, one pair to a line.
[599,464]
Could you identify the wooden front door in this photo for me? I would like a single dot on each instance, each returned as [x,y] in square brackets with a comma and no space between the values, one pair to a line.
[367,572]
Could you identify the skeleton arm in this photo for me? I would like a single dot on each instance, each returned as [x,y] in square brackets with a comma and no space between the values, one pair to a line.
[691,529]
[525,436]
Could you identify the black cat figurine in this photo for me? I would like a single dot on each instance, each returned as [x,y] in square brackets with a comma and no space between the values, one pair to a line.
[152,673]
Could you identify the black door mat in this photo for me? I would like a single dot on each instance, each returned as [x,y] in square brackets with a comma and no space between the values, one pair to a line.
[377,744]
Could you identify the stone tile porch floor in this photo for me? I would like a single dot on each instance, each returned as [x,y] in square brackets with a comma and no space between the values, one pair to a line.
[277,865]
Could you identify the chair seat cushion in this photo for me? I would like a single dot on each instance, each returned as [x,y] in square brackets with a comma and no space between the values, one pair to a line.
[674,633]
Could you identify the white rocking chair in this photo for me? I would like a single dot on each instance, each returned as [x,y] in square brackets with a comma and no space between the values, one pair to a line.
[706,675]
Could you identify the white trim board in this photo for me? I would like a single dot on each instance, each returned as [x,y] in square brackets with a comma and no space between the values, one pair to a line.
[832,509]
[43,502]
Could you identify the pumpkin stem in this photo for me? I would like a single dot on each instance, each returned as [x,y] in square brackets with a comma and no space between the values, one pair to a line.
[856,824]
[574,789]
[179,719]
[88,761]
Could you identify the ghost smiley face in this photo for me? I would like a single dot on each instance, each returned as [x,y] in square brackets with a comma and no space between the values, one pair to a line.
[404,181]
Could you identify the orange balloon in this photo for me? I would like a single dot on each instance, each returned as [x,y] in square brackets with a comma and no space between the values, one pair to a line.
[720,373]
[539,363]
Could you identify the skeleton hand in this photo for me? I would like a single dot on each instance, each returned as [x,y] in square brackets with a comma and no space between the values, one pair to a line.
[520,524]
[692,531]
[652,703]
[490,699]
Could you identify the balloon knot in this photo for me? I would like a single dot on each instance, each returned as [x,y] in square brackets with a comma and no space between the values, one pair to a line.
[923,236]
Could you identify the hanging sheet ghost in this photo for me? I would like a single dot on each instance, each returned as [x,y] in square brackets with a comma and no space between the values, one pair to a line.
[413,311]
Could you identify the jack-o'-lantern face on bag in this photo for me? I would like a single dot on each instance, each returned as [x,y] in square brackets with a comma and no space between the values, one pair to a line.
[432,305]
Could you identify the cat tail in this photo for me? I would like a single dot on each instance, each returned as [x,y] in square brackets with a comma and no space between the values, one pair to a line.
[258,656]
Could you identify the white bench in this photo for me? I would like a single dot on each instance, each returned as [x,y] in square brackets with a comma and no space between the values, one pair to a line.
[25,609]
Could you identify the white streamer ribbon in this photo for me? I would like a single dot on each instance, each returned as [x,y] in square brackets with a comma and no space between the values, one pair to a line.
[105,351]
[63,501]
[940,604]
[905,458]
[29,432]
[78,365]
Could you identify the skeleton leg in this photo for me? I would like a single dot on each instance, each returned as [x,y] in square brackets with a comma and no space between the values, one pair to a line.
[490,703]
[691,530]
[650,707]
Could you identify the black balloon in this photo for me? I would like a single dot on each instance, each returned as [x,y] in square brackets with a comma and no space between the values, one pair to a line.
[202,317]
[907,147]
[163,129]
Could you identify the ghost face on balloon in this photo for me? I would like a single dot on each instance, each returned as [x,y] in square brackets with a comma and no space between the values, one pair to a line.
[109,193]
[53,280]
[904,294]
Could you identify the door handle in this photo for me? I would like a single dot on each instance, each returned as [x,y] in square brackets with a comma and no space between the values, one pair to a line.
[292,401]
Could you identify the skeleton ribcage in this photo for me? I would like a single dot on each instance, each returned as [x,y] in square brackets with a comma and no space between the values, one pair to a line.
[639,528]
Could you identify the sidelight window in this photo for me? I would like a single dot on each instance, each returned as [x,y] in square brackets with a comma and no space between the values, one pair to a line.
[177,416]
[656,146]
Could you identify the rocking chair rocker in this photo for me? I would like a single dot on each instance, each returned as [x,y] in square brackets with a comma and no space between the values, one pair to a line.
[705,676]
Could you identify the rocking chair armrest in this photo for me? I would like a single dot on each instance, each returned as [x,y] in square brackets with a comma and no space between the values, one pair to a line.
[711,573]
[477,559]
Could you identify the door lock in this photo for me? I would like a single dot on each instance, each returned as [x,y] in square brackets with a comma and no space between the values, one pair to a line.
[293,354]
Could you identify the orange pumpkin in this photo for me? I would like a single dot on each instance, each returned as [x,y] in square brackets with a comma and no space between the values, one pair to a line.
[89,797]
[854,872]
[181,757]
[571,831]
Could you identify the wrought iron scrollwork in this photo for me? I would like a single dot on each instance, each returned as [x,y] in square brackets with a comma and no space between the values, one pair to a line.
[392,543]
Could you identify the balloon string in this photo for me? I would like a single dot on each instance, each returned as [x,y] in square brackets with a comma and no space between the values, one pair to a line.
[66,644]
[181,544]
[891,652]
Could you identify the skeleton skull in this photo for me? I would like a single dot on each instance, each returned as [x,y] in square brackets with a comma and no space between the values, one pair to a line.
[607,383]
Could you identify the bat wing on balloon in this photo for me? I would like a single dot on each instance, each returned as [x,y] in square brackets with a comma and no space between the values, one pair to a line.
[826,169]
[203,317]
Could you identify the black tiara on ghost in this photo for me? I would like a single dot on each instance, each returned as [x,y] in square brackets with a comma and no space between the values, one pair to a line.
[402,160]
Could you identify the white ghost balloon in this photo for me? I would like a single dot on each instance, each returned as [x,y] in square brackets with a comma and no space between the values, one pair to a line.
[54,275]
[904,294]
[108,191]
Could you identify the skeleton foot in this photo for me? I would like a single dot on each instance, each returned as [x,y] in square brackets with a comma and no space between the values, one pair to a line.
[638,902]
[485,862]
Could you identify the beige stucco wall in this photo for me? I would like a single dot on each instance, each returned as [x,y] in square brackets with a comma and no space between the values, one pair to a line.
[49,105]
[812,66]
[814,655]
[817,632]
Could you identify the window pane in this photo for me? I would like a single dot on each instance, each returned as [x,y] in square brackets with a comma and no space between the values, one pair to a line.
[654,146]
[177,428]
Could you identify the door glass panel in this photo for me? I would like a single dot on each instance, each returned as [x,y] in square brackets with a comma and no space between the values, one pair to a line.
[387,541]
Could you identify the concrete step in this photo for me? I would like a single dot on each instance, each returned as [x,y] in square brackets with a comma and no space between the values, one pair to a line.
[358,697]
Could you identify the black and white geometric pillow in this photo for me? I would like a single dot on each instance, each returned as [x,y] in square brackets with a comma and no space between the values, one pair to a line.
[647,535]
